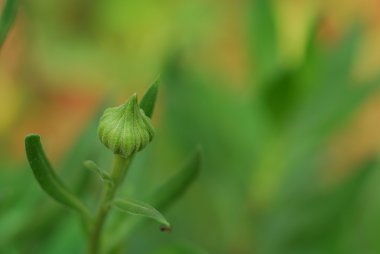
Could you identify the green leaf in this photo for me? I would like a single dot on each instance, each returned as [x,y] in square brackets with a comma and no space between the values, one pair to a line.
[42,220]
[311,217]
[7,17]
[103,175]
[330,80]
[165,195]
[312,47]
[149,100]
[142,209]
[175,186]
[48,179]
[279,96]
[263,36]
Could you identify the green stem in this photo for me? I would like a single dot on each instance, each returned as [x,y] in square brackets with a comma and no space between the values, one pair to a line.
[119,169]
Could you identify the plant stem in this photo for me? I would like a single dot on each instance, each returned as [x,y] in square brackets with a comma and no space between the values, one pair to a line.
[119,169]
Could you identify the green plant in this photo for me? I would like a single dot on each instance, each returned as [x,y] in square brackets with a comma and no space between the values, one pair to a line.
[7,18]
[125,130]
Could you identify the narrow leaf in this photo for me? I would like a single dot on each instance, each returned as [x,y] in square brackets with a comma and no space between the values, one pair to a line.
[175,186]
[149,100]
[315,217]
[103,175]
[142,209]
[263,36]
[7,17]
[41,220]
[166,194]
[47,178]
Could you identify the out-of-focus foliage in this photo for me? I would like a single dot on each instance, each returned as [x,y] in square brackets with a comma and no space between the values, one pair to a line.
[274,91]
[7,17]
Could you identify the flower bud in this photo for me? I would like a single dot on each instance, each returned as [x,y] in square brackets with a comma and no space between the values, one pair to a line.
[125,129]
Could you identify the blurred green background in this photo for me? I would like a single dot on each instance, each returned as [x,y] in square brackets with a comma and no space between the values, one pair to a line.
[283,95]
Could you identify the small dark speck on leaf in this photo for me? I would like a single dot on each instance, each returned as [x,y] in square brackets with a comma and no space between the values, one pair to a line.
[165,229]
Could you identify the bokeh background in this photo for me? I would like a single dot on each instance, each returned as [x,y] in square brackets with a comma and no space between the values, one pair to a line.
[283,95]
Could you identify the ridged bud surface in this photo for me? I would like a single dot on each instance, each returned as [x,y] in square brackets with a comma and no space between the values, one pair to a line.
[125,129]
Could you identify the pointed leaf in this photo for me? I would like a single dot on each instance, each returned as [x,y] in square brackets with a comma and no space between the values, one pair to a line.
[149,100]
[142,209]
[7,17]
[166,194]
[175,186]
[47,178]
[103,175]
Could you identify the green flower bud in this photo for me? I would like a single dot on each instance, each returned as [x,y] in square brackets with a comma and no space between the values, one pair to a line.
[125,129]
